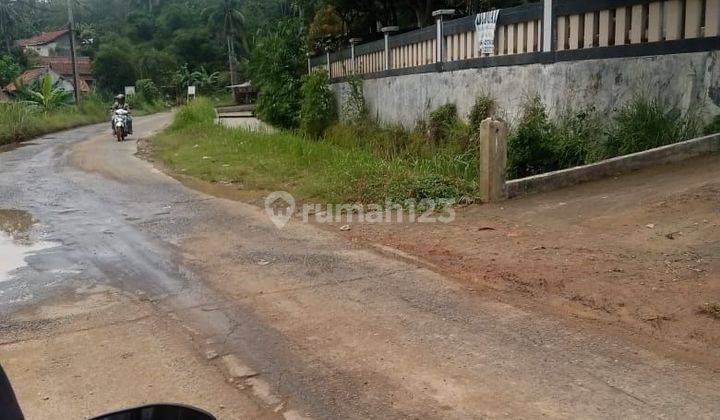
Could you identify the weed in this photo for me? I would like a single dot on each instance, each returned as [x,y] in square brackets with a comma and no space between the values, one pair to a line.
[441,122]
[530,147]
[648,123]
[713,127]
[483,108]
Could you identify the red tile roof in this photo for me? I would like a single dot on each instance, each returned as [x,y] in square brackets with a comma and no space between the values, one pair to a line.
[33,74]
[43,38]
[63,65]
[27,77]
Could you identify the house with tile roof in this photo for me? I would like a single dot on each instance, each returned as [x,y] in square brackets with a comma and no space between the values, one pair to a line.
[29,77]
[48,44]
[53,51]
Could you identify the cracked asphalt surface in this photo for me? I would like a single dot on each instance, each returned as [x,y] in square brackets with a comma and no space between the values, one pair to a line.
[332,330]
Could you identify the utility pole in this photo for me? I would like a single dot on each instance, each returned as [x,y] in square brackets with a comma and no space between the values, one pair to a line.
[73,57]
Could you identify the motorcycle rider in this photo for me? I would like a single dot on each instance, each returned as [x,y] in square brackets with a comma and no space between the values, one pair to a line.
[120,104]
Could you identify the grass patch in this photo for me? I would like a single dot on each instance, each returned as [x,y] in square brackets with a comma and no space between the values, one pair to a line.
[357,163]
[19,122]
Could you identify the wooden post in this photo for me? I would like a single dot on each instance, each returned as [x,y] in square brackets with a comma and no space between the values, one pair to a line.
[493,160]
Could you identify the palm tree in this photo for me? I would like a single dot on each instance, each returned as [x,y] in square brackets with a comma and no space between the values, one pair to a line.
[12,16]
[48,97]
[233,22]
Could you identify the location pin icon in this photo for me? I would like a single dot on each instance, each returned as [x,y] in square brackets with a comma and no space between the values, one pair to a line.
[280,206]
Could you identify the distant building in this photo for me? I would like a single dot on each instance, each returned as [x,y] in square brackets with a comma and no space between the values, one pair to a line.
[32,75]
[53,49]
[48,44]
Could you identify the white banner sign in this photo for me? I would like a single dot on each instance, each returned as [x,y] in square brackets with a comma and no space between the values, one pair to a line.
[191,90]
[129,90]
[485,24]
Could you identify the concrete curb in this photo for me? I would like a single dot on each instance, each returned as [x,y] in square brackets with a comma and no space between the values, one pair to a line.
[616,166]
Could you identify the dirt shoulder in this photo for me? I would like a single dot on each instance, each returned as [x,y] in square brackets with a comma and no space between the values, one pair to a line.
[640,253]
[637,254]
[98,350]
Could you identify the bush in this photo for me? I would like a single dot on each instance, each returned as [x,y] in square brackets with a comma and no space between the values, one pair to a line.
[530,146]
[713,127]
[318,104]
[276,64]
[648,123]
[441,123]
[578,138]
[482,109]
[198,112]
[147,91]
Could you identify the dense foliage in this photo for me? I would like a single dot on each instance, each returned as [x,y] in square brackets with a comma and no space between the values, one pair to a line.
[276,66]
[318,110]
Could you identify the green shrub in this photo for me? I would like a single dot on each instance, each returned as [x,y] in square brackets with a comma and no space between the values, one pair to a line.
[713,127]
[441,123]
[648,123]
[354,108]
[147,91]
[318,104]
[276,65]
[482,109]
[198,112]
[578,138]
[530,146]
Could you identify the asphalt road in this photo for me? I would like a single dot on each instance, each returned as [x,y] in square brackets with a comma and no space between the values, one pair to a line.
[327,329]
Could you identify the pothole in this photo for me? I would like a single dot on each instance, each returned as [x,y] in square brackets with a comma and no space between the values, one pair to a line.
[16,241]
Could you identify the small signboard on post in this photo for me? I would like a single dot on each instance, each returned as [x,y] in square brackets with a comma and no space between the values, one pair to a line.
[129,91]
[191,92]
[485,24]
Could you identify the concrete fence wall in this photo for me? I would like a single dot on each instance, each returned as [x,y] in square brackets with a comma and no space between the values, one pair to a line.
[604,84]
[601,53]
[575,25]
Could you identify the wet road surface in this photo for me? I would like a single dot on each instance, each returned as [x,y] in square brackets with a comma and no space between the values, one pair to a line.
[320,328]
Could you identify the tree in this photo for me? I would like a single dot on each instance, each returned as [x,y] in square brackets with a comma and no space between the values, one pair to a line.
[13,14]
[114,66]
[228,12]
[9,70]
[276,65]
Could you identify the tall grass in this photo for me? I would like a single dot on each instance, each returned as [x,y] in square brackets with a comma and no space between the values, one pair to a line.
[335,169]
[19,121]
[541,144]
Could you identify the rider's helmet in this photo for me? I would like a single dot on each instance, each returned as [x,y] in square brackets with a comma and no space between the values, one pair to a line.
[120,99]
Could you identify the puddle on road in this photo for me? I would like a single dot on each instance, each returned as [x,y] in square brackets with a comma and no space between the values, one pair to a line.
[15,241]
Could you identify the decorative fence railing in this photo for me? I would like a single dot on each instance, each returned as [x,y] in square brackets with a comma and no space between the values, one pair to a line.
[571,25]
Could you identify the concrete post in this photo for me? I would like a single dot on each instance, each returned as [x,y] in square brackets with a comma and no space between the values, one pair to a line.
[353,41]
[548,26]
[387,30]
[327,59]
[439,16]
[493,160]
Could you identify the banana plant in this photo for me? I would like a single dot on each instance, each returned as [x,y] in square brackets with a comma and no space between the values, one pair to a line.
[48,97]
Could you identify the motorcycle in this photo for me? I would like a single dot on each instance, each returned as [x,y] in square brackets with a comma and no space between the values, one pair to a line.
[120,124]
